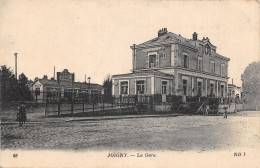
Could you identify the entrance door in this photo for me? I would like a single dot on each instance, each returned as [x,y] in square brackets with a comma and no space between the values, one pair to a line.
[164,90]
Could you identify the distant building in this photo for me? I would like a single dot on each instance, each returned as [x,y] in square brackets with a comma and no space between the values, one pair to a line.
[173,65]
[234,92]
[46,88]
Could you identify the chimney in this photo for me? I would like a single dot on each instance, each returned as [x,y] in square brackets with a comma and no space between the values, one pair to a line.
[52,78]
[195,36]
[162,32]
[45,77]
[232,81]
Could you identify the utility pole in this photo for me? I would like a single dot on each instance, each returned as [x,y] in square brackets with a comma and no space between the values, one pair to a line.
[15,55]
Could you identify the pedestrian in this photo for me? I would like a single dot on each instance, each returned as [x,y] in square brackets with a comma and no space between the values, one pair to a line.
[225,112]
[21,116]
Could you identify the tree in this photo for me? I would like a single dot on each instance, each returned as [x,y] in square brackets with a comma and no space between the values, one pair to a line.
[107,86]
[11,88]
[8,84]
[23,88]
[251,84]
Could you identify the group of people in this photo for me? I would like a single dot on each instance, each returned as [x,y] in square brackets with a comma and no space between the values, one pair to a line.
[21,115]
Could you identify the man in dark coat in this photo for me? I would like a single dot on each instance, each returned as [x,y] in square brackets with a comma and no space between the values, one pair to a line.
[21,116]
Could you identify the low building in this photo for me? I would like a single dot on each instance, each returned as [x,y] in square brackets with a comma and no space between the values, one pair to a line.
[234,92]
[45,88]
[173,65]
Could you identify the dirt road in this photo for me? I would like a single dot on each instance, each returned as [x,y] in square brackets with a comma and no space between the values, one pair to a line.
[182,133]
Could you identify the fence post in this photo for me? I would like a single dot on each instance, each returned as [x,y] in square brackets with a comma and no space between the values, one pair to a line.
[72,107]
[128,101]
[46,107]
[103,104]
[120,99]
[112,102]
[83,107]
[59,107]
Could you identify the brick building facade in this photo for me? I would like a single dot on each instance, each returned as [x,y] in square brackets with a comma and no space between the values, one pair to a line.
[173,65]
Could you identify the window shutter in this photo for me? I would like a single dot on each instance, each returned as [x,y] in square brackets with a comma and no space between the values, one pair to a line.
[147,61]
[182,61]
[202,64]
[144,86]
[157,60]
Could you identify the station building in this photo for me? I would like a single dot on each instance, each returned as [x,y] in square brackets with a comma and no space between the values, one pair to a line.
[173,65]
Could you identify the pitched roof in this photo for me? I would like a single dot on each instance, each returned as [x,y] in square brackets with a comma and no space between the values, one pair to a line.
[166,38]
[48,82]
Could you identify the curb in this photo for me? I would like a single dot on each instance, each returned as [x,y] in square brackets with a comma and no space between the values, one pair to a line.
[96,119]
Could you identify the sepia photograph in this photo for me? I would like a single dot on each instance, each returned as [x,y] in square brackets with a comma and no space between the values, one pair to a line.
[129,83]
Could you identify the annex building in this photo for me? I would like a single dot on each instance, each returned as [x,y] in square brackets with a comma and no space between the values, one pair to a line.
[64,85]
[173,65]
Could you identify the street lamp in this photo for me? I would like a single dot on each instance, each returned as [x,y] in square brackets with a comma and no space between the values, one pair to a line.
[89,78]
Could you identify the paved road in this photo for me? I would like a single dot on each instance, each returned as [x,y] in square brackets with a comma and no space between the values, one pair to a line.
[180,133]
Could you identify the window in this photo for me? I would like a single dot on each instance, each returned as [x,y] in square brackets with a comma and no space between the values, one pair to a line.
[207,50]
[152,61]
[164,55]
[222,90]
[184,85]
[185,61]
[199,88]
[140,87]
[124,87]
[212,66]
[164,87]
[200,63]
[222,70]
[211,89]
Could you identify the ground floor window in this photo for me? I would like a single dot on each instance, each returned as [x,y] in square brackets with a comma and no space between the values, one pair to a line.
[211,91]
[222,90]
[184,85]
[124,87]
[164,87]
[199,88]
[140,87]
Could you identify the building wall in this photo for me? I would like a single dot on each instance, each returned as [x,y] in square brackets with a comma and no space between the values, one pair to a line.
[142,58]
[177,52]
[206,58]
[37,85]
[153,85]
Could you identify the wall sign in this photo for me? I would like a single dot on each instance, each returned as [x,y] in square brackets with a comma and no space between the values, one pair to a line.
[65,76]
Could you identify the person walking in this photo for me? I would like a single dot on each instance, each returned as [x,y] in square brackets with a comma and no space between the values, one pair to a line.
[225,112]
[21,116]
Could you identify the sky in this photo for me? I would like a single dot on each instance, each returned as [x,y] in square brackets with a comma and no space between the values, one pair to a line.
[94,37]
